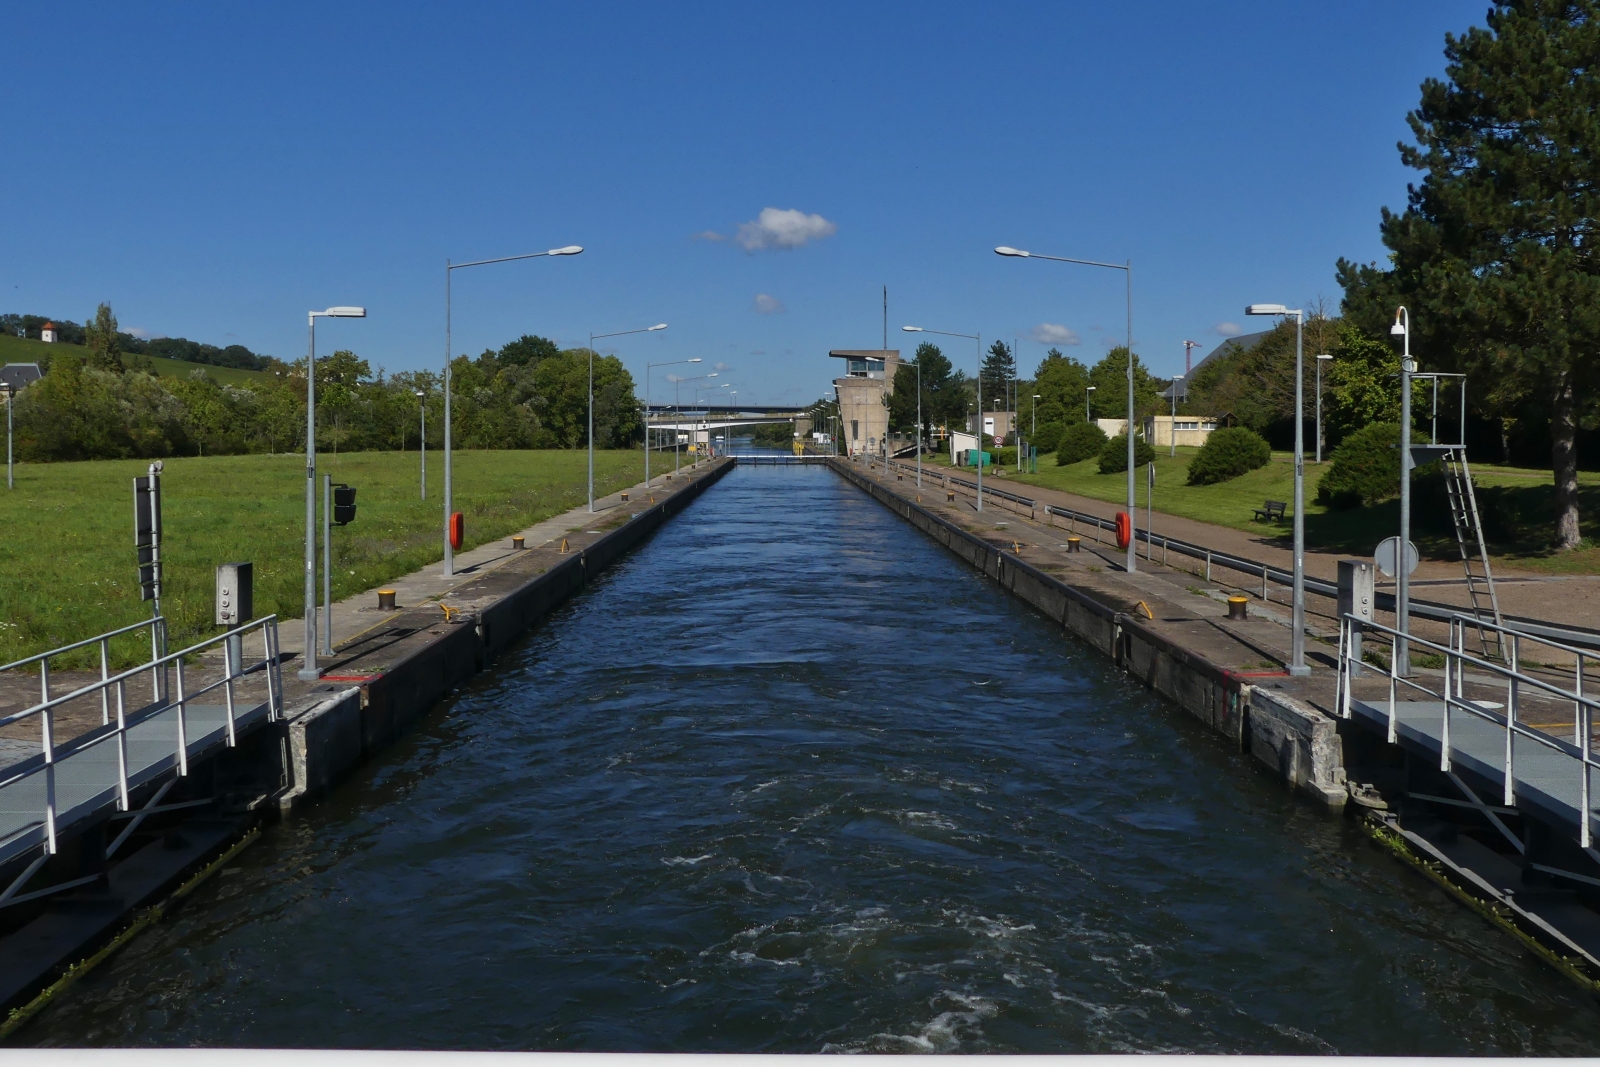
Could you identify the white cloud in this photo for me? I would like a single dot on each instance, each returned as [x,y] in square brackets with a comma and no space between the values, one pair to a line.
[1228,329]
[1050,333]
[769,305]
[783,228]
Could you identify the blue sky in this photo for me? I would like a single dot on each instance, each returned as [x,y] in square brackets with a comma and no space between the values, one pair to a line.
[214,171]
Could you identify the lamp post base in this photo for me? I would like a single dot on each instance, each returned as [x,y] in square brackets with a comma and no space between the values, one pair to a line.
[1298,672]
[309,674]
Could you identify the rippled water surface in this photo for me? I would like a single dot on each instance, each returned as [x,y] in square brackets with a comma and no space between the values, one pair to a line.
[789,778]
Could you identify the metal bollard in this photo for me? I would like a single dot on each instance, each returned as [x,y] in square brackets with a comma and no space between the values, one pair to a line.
[1238,607]
[517,542]
[386,600]
[1074,544]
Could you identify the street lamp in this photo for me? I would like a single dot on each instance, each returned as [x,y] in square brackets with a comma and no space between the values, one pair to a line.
[977,421]
[5,387]
[1320,360]
[309,671]
[647,368]
[677,425]
[1402,576]
[1297,639]
[422,442]
[1127,269]
[1087,417]
[592,338]
[569,250]
[1172,428]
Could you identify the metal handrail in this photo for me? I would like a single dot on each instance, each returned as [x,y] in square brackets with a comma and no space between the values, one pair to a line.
[1456,661]
[1432,610]
[232,672]
[158,620]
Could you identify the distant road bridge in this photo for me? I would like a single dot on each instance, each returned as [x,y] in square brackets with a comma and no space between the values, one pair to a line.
[704,418]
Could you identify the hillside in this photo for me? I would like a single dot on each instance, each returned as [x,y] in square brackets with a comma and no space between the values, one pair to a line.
[27,350]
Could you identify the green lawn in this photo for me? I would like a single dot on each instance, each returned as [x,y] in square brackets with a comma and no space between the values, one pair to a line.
[68,560]
[27,350]
[1517,507]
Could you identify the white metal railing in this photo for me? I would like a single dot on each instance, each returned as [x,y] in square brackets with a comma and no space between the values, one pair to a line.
[1451,693]
[117,713]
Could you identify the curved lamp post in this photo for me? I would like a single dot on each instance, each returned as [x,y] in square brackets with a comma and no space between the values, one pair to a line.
[309,671]
[648,367]
[978,421]
[1297,639]
[1127,269]
[1402,577]
[569,250]
[592,338]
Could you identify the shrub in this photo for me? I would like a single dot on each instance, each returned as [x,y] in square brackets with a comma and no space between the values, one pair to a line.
[1228,453]
[1078,442]
[1048,437]
[1366,469]
[1114,456]
[1004,457]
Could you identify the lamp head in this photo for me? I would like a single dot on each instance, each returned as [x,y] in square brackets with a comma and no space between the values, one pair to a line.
[346,313]
[1397,330]
[1266,309]
[421,393]
[658,326]
[696,359]
[1324,357]
[912,329]
[1007,250]
[570,250]
[1092,388]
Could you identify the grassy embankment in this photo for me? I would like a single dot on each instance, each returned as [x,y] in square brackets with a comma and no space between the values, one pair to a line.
[1518,508]
[67,562]
[27,350]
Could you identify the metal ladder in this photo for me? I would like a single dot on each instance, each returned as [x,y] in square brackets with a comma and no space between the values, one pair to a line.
[1474,553]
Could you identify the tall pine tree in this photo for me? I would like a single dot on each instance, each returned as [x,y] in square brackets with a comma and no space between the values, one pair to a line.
[1495,253]
[999,367]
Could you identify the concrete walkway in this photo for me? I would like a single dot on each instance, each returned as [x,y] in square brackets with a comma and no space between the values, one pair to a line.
[1566,598]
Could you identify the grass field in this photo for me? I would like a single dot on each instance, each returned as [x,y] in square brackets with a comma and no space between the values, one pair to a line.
[1517,505]
[27,350]
[67,562]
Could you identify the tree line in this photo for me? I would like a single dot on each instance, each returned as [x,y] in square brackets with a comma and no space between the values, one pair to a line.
[529,393]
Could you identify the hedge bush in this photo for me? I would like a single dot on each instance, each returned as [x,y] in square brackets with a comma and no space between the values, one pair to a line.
[1003,457]
[1079,442]
[1228,453]
[1048,437]
[1114,456]
[1366,469]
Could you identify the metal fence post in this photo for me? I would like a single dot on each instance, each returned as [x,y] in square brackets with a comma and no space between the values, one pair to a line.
[183,730]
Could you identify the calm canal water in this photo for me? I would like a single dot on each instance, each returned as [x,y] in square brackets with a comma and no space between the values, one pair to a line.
[790,779]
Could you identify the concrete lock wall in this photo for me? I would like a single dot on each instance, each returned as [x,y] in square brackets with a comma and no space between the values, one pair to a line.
[1298,744]
[331,732]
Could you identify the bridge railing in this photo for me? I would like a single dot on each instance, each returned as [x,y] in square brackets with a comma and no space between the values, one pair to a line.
[1450,693]
[121,715]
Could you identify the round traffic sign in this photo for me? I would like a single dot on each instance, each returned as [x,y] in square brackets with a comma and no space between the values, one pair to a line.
[1384,556]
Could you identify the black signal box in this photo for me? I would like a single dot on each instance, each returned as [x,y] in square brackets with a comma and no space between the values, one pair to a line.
[344,504]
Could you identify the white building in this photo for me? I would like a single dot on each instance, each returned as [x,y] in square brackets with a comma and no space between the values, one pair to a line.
[48,334]
[1159,430]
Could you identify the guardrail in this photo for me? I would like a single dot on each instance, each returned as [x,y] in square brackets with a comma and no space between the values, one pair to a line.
[92,778]
[1451,698]
[1271,575]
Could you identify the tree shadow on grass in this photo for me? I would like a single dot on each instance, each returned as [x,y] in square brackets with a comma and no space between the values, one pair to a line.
[1518,522]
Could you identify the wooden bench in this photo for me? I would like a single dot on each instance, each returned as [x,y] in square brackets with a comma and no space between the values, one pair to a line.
[1270,511]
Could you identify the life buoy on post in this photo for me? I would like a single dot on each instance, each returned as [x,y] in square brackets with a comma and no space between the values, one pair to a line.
[1124,529]
[458,530]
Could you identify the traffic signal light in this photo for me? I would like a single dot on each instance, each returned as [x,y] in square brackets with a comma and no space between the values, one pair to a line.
[344,504]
